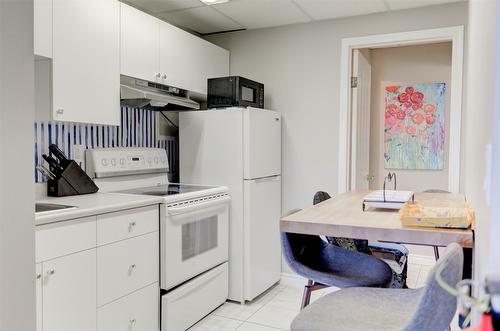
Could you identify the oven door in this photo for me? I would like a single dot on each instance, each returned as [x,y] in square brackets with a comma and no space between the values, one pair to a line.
[194,239]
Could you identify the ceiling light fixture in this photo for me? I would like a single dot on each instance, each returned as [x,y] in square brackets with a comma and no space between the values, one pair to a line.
[213,2]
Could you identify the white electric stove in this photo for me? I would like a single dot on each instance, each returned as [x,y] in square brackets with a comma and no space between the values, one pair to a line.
[194,222]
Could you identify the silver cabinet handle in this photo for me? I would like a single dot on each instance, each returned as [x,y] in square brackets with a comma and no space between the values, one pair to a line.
[132,321]
[51,272]
[158,75]
[164,76]
[130,226]
[38,276]
[59,111]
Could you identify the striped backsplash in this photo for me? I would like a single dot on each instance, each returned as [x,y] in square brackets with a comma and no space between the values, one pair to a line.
[138,128]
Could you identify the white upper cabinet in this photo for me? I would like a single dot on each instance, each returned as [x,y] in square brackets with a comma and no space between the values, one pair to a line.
[156,51]
[186,61]
[86,61]
[140,49]
[42,14]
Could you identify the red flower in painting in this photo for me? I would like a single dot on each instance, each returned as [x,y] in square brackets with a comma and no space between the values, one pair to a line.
[392,107]
[417,97]
[429,109]
[417,118]
[416,105]
[390,121]
[411,130]
[403,97]
[392,89]
[409,90]
[400,115]
[430,119]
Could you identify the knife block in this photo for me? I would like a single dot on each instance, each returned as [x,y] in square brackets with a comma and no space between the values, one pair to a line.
[72,181]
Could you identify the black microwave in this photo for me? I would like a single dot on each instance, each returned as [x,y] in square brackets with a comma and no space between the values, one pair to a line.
[234,91]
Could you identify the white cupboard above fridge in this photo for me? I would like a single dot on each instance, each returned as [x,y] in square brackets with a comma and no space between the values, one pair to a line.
[156,51]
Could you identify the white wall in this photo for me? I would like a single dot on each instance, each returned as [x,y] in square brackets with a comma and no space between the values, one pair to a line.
[478,129]
[407,65]
[299,65]
[17,260]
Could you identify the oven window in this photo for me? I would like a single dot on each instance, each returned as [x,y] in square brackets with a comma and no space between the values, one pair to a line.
[199,237]
[247,94]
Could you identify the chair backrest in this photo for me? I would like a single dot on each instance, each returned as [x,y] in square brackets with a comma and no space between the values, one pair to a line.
[437,307]
[320,196]
[300,250]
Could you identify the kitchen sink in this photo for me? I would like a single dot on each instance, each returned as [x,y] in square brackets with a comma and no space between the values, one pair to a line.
[48,207]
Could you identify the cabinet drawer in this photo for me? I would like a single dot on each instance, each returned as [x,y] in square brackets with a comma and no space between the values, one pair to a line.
[190,302]
[126,266]
[126,224]
[138,311]
[58,239]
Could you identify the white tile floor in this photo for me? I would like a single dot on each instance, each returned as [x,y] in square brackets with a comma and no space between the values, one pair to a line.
[276,309]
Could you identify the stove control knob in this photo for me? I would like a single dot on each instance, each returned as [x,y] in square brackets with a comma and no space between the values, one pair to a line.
[122,161]
[104,162]
[156,159]
[113,162]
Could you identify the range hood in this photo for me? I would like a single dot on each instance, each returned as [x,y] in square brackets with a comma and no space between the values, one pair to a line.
[143,94]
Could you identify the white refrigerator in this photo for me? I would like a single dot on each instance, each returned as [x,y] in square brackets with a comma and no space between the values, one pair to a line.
[241,149]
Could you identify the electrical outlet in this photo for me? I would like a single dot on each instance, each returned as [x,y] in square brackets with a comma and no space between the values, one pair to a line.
[79,155]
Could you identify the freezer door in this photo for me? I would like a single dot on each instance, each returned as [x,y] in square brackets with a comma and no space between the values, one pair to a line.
[261,143]
[262,247]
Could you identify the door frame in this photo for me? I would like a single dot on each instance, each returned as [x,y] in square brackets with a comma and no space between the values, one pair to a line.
[453,34]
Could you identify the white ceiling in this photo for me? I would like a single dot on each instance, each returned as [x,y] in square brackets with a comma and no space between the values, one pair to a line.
[194,15]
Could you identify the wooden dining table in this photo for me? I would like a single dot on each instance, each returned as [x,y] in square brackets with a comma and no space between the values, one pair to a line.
[343,216]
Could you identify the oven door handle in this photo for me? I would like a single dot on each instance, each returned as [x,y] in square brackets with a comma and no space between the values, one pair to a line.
[198,206]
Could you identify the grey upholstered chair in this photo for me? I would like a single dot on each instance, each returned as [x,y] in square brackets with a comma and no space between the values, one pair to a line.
[396,255]
[326,265]
[429,308]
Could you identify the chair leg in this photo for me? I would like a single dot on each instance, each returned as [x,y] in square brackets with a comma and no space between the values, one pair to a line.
[306,297]
[436,253]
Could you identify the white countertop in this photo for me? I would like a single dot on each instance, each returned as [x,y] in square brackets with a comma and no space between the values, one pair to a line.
[92,204]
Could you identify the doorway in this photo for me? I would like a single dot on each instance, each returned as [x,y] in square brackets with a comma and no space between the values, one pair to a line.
[356,148]
[379,71]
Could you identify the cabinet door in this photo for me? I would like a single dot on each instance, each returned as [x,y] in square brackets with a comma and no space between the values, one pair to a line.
[86,61]
[139,35]
[69,292]
[42,14]
[186,61]
[39,297]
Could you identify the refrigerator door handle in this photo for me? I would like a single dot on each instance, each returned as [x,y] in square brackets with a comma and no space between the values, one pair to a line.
[274,178]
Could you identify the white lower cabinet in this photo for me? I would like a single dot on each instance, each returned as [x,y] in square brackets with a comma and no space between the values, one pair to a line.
[69,292]
[84,286]
[138,311]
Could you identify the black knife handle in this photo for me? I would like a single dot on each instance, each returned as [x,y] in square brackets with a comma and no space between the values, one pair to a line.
[63,160]
[54,165]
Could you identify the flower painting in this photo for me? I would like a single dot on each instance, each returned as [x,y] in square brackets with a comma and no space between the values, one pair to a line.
[414,126]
